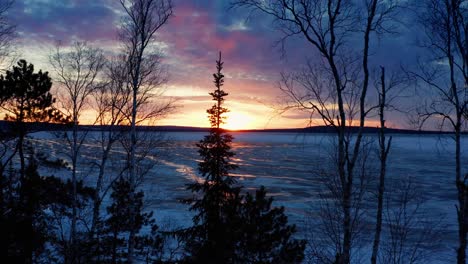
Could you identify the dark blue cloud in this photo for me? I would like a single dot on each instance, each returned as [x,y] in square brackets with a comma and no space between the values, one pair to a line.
[65,19]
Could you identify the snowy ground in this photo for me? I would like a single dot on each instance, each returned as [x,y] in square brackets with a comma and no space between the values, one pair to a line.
[287,164]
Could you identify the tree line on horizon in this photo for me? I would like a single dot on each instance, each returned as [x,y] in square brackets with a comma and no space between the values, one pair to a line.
[65,220]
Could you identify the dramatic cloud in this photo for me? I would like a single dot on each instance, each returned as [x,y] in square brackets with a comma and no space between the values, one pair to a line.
[49,20]
[191,42]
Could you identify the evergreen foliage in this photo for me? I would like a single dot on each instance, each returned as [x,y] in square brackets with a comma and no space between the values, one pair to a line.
[209,240]
[230,227]
[112,239]
[31,209]
[25,226]
[26,97]
[266,236]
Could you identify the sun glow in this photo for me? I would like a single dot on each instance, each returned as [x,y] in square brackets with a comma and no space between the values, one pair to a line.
[238,121]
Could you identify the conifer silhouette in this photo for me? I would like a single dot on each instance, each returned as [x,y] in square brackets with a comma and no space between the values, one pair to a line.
[210,240]
[26,98]
[230,227]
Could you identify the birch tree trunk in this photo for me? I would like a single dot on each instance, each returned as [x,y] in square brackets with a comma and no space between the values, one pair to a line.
[144,19]
[384,147]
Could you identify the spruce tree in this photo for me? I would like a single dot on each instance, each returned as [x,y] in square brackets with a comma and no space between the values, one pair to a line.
[209,240]
[230,227]
[265,236]
[111,244]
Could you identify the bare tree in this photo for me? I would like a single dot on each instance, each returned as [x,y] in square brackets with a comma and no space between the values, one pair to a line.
[7,30]
[388,91]
[143,20]
[7,35]
[77,72]
[444,76]
[326,230]
[111,102]
[335,88]
[411,233]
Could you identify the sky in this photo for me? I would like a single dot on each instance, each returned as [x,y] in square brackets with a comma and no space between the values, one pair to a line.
[191,41]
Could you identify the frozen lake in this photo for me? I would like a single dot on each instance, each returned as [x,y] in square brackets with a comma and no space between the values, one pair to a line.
[288,165]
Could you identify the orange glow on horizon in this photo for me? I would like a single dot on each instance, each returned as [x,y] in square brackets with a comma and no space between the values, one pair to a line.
[240,117]
[239,121]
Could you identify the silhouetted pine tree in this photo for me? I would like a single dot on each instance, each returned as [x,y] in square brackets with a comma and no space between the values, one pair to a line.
[230,227]
[26,97]
[31,212]
[26,226]
[113,234]
[209,240]
[265,235]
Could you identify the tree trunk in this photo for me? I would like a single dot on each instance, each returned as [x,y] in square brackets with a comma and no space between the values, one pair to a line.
[347,236]
[344,256]
[384,149]
[97,196]
[131,236]
[74,157]
[461,208]
[21,153]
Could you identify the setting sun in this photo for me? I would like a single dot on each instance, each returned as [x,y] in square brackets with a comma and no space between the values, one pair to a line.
[238,121]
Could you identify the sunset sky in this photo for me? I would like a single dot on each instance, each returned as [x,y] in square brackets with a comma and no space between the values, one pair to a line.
[191,41]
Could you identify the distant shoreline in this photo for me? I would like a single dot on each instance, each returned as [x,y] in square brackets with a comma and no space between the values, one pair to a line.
[5,125]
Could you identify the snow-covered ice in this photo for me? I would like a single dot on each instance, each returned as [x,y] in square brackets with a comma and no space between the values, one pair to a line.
[287,164]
